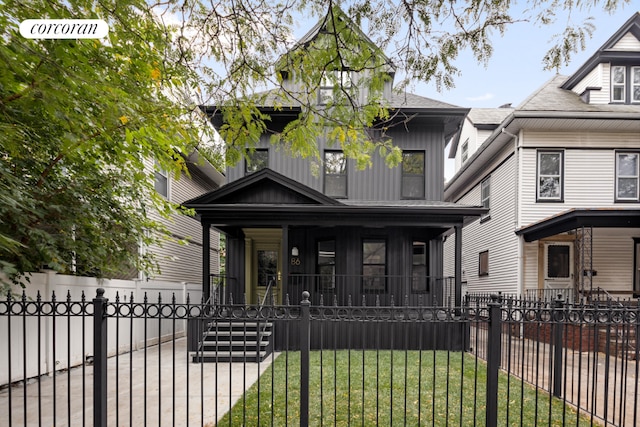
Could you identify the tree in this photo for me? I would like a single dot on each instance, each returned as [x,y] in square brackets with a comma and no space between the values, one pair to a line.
[79,118]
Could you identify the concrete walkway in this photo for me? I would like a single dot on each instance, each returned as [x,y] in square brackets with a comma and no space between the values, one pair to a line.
[200,395]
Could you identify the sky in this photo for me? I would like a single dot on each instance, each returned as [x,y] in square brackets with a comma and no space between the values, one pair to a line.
[515,69]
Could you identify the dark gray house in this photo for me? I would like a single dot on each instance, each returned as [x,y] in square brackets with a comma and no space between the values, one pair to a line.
[345,235]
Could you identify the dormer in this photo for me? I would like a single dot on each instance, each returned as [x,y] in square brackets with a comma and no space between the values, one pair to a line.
[612,74]
[353,64]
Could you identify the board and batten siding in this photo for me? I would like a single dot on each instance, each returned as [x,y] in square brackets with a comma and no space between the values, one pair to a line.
[495,235]
[378,182]
[589,173]
[183,262]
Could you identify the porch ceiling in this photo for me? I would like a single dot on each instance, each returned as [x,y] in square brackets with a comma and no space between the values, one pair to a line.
[576,218]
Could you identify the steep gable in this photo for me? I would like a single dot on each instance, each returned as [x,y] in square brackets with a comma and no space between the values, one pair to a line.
[263,187]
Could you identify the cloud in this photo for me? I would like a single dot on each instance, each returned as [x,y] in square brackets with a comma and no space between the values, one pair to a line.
[487,96]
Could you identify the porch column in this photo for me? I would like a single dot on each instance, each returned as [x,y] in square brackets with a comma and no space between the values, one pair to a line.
[206,261]
[458,266]
[286,259]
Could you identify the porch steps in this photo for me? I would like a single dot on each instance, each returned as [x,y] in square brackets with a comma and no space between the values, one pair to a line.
[235,341]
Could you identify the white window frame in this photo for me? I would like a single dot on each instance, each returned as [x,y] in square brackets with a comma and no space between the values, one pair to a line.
[636,176]
[559,175]
[329,80]
[464,155]
[635,85]
[485,199]
[618,84]
[161,173]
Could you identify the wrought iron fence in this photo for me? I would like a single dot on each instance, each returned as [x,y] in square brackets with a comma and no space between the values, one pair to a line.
[494,361]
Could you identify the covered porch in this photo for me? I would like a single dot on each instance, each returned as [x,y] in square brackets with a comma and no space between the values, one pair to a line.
[586,254]
[283,238]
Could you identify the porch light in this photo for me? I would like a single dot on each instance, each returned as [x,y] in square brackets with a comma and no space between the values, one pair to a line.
[294,251]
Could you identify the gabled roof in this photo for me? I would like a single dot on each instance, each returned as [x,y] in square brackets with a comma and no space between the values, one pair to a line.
[606,53]
[251,189]
[484,119]
[335,12]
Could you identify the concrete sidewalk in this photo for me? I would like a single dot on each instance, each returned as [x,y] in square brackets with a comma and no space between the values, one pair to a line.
[200,394]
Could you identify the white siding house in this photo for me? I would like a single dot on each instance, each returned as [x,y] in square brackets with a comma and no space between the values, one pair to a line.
[564,194]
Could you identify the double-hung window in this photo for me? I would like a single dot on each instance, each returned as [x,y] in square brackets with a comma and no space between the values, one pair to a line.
[256,160]
[413,180]
[485,196]
[625,84]
[333,80]
[374,265]
[627,176]
[335,174]
[161,181]
[326,265]
[549,186]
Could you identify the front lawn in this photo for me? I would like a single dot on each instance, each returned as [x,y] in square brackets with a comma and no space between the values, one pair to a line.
[393,388]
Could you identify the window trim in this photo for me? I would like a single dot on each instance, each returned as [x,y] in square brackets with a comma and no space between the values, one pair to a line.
[483,271]
[343,78]
[623,84]
[423,175]
[560,198]
[464,151]
[632,84]
[487,216]
[250,153]
[378,288]
[159,171]
[345,175]
[635,199]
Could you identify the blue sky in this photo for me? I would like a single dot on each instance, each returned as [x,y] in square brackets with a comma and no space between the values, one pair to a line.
[515,69]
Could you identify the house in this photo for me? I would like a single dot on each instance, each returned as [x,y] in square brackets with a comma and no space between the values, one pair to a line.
[476,128]
[179,262]
[345,235]
[560,178]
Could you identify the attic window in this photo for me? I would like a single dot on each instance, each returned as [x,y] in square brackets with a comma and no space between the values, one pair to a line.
[625,84]
[333,80]
[256,160]
[465,151]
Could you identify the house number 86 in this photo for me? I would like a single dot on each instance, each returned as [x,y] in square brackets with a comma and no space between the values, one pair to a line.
[295,261]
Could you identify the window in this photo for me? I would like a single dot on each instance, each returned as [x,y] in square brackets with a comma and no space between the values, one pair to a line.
[465,151]
[326,266]
[419,273]
[483,263]
[412,175]
[335,174]
[550,181]
[627,176]
[558,261]
[618,77]
[485,196]
[256,160]
[161,183]
[374,268]
[330,81]
[625,84]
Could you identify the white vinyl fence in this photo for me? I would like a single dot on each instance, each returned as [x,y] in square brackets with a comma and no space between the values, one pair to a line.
[36,345]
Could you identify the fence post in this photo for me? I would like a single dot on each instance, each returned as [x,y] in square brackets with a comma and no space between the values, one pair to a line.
[493,359]
[305,346]
[557,346]
[99,360]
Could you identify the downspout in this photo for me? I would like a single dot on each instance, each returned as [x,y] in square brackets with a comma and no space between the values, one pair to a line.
[516,210]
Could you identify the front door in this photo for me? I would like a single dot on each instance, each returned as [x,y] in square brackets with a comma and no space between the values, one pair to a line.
[558,266]
[264,264]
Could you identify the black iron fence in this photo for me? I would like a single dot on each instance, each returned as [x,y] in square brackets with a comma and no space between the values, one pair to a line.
[493,361]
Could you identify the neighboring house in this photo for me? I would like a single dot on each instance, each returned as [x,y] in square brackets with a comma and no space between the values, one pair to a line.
[476,128]
[375,235]
[179,262]
[561,179]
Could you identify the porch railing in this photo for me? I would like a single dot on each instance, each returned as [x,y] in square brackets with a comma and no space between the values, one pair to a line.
[387,290]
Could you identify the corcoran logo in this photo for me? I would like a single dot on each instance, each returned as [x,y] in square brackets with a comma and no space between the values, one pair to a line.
[64,28]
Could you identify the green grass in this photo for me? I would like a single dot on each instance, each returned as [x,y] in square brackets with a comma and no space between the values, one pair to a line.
[400,388]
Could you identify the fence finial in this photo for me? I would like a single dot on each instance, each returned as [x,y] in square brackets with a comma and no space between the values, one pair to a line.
[305,296]
[100,292]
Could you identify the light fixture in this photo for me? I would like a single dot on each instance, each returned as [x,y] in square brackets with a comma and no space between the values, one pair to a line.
[294,251]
